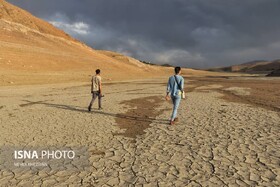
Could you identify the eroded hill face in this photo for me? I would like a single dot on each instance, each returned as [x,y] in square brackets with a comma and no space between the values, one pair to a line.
[38,52]
[14,14]
[33,51]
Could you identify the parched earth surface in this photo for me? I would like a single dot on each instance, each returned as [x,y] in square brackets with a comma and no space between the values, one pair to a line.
[129,142]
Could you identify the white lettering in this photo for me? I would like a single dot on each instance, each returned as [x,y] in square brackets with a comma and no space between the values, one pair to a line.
[58,154]
[43,154]
[73,154]
[34,155]
[24,154]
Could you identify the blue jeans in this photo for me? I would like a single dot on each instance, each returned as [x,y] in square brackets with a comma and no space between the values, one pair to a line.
[176,102]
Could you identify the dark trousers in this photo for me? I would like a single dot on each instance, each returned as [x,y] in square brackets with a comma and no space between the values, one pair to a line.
[94,96]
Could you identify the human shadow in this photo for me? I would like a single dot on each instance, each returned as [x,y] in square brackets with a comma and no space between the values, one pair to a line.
[84,110]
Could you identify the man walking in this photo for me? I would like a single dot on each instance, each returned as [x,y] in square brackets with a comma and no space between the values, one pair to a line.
[175,88]
[96,89]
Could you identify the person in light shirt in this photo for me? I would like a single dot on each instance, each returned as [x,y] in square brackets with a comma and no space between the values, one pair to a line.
[175,87]
[96,90]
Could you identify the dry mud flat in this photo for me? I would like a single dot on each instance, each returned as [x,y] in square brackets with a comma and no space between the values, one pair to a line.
[257,91]
[216,142]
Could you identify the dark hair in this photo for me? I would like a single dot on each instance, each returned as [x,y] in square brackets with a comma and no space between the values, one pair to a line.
[97,71]
[177,69]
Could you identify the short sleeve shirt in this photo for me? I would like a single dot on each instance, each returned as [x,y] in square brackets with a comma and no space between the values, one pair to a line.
[96,81]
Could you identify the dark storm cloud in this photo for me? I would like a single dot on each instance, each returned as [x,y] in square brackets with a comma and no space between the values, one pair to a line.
[194,33]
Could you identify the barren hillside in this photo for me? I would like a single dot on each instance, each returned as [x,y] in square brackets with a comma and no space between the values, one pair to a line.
[260,66]
[33,51]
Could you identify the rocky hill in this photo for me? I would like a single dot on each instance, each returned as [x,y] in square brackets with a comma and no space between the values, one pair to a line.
[260,66]
[275,73]
[34,51]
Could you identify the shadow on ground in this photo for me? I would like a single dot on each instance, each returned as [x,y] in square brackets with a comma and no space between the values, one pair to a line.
[134,121]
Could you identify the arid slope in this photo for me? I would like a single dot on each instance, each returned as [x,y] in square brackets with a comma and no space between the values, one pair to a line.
[33,51]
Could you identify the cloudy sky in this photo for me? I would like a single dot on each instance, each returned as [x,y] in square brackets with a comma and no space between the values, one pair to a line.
[190,33]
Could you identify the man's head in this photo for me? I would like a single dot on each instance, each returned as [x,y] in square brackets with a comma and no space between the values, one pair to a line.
[97,71]
[177,70]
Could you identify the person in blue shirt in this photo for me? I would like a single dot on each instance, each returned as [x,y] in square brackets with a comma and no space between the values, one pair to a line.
[175,87]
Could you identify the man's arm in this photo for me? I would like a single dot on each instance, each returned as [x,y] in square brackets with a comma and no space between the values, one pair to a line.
[91,85]
[182,84]
[100,85]
[167,97]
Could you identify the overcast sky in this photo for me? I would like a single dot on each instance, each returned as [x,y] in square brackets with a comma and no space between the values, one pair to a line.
[190,33]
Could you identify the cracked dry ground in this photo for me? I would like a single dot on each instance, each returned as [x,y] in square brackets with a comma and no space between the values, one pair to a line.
[216,143]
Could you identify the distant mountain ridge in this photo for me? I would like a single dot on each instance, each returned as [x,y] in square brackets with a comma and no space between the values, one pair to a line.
[275,73]
[257,66]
